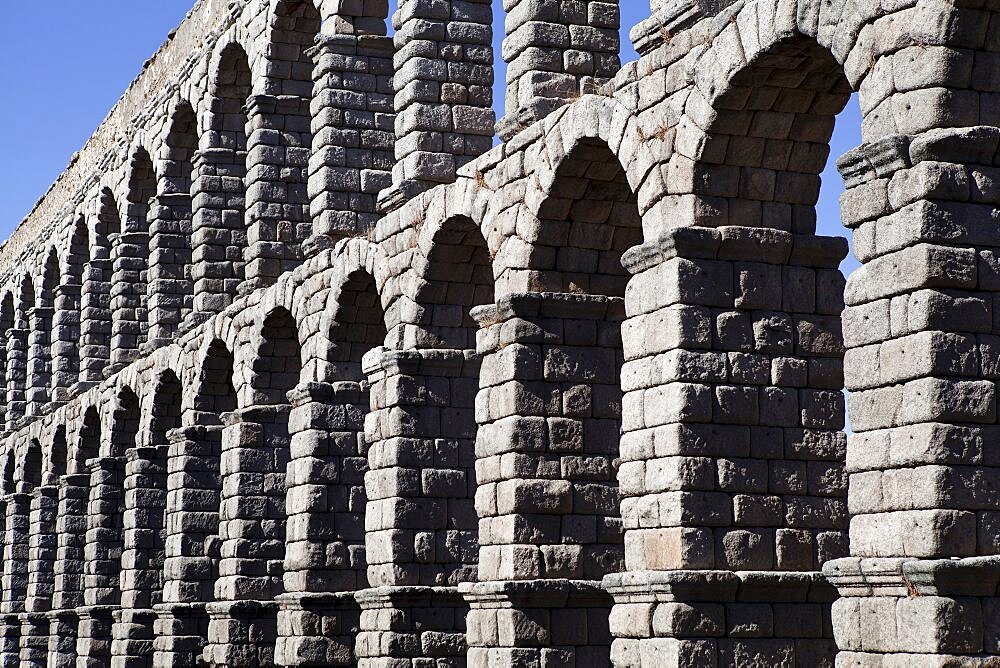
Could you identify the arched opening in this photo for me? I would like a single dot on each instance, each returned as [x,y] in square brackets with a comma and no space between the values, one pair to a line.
[69,312]
[125,423]
[219,230]
[89,444]
[457,276]
[130,261]
[254,500]
[95,300]
[59,457]
[170,284]
[144,539]
[277,365]
[6,325]
[589,218]
[763,156]
[193,542]
[215,395]
[33,462]
[40,338]
[592,215]
[18,352]
[9,471]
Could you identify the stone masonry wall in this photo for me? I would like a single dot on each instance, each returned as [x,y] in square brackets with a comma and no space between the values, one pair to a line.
[298,369]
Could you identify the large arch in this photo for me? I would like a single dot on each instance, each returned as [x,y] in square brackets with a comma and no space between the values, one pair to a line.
[169,281]
[69,311]
[219,228]
[95,299]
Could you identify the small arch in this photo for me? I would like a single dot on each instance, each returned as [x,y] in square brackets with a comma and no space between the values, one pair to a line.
[31,474]
[124,422]
[165,413]
[141,189]
[109,224]
[357,326]
[180,146]
[59,454]
[587,220]
[277,365]
[457,275]
[215,394]
[89,442]
[8,481]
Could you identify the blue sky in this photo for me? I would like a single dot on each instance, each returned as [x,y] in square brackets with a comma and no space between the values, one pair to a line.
[65,63]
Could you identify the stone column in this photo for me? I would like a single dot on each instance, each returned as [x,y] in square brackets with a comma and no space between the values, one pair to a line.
[191,557]
[17,372]
[66,339]
[277,201]
[325,543]
[243,628]
[71,530]
[420,520]
[219,233]
[444,95]
[95,322]
[41,577]
[732,449]
[141,581]
[921,585]
[17,509]
[168,283]
[102,566]
[129,321]
[549,410]
[352,119]
[39,359]
[555,51]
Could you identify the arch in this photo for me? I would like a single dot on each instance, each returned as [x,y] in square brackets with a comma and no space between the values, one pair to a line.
[125,422]
[277,364]
[7,315]
[32,472]
[141,189]
[179,148]
[59,453]
[165,412]
[95,296]
[215,392]
[457,274]
[356,326]
[294,27]
[767,140]
[109,223]
[170,249]
[9,481]
[588,218]
[89,441]
[69,309]
[219,228]
[50,279]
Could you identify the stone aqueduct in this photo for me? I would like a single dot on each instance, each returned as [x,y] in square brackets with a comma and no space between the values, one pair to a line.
[299,369]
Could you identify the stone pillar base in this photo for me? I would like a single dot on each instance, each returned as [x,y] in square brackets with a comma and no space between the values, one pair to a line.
[132,638]
[34,640]
[317,629]
[916,612]
[538,623]
[180,632]
[10,640]
[401,625]
[93,636]
[720,618]
[62,638]
[241,633]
